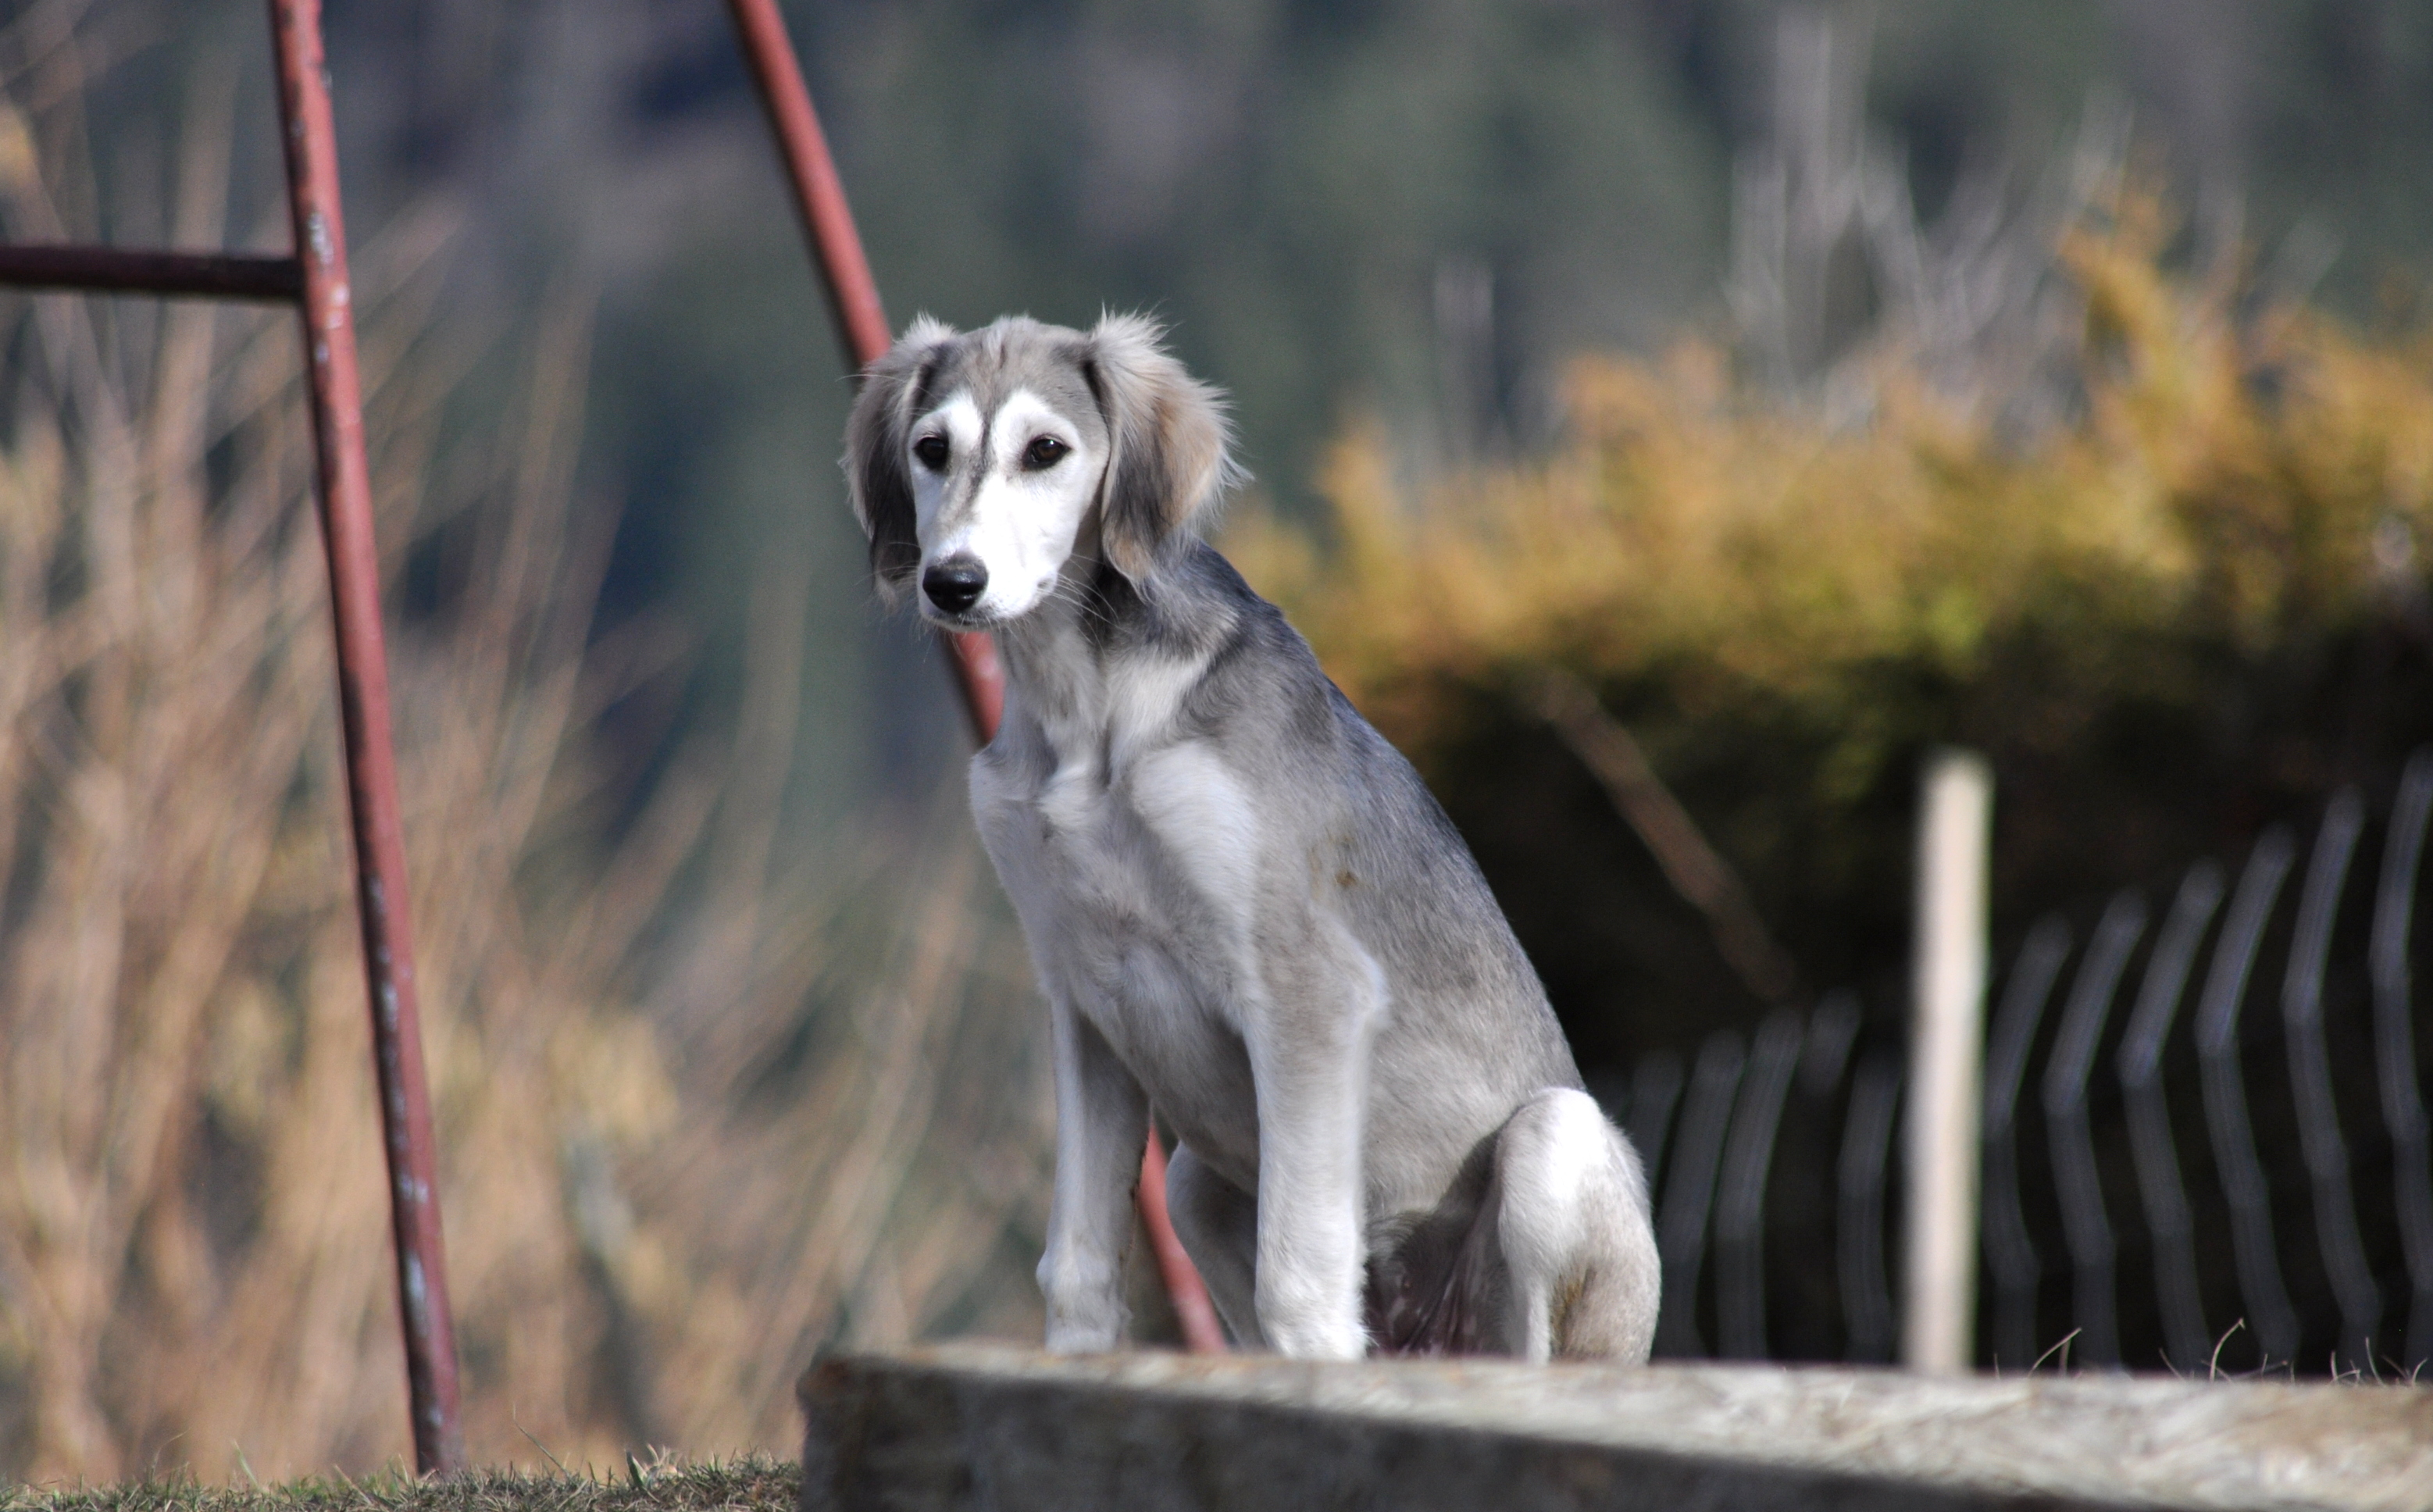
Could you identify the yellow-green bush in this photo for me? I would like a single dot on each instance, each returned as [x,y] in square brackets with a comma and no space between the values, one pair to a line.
[2192,603]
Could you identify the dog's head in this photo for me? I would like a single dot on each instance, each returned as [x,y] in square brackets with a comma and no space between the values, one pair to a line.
[981,463]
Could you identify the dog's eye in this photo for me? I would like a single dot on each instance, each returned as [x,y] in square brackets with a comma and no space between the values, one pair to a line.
[1045,451]
[932,450]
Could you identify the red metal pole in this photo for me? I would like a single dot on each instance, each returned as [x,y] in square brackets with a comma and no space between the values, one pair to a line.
[345,499]
[181,275]
[852,298]
[1202,1334]
[861,322]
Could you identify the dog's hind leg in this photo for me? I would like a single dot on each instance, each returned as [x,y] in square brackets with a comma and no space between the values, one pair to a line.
[1571,1221]
[1219,1225]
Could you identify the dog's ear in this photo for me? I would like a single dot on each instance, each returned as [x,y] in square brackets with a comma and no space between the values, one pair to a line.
[1166,439]
[875,475]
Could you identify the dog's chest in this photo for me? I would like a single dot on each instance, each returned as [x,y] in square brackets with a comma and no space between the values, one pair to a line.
[1133,886]
[1159,840]
[1131,849]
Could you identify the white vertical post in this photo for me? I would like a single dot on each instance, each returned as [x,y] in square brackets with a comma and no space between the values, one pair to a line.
[1946,1057]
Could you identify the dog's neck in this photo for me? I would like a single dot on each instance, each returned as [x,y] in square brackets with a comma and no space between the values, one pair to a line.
[1098,668]
[1056,658]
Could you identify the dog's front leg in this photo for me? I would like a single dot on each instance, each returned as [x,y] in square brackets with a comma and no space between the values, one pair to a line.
[1309,1060]
[1101,1121]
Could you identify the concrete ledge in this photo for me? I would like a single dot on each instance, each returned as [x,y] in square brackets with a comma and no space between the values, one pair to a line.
[982,1426]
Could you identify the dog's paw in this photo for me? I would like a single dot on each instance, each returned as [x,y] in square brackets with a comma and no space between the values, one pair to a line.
[1318,1339]
[1089,1322]
[1095,1337]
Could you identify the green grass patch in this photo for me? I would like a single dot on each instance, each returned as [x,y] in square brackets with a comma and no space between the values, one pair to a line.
[749,1483]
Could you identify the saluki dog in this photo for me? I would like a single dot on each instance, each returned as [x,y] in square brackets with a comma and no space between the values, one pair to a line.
[1244,907]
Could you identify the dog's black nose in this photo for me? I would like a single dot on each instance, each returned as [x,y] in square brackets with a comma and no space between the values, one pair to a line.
[956,583]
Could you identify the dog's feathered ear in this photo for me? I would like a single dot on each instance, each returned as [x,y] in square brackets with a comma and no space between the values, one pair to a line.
[876,474]
[1166,438]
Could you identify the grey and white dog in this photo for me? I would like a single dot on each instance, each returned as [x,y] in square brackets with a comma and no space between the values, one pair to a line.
[1244,907]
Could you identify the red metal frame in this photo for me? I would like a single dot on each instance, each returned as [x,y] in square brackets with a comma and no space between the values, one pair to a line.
[844,272]
[314,279]
[1193,1311]
[184,275]
[852,297]
[345,496]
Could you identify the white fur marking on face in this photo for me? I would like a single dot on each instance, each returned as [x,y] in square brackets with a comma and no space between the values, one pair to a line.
[1019,522]
[959,421]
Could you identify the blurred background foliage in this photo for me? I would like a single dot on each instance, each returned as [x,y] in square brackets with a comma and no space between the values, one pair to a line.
[1807,384]
[2191,603]
[706,1099]
[1416,212]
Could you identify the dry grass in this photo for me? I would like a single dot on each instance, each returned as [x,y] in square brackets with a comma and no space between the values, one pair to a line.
[702,1102]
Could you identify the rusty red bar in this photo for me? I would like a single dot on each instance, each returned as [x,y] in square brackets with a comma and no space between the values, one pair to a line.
[852,298]
[177,275]
[1202,1334]
[819,194]
[345,499]
[844,272]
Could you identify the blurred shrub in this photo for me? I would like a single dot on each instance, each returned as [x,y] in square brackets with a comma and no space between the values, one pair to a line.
[2192,601]
[702,1102]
